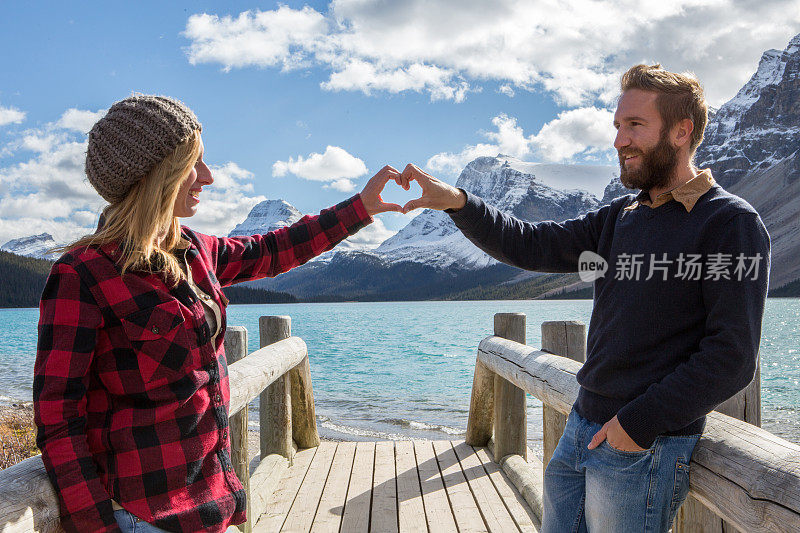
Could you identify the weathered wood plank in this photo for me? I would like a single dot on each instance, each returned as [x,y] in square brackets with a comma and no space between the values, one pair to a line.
[258,370]
[437,508]
[301,514]
[265,475]
[551,378]
[510,408]
[359,493]
[746,405]
[465,510]
[527,477]
[304,418]
[566,338]
[411,512]
[481,406]
[490,504]
[235,345]
[384,490]
[281,500]
[275,403]
[520,511]
[27,499]
[331,504]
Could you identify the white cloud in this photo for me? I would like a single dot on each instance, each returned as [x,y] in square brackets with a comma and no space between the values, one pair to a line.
[49,192]
[506,90]
[367,238]
[336,166]
[11,115]
[79,120]
[578,131]
[342,185]
[574,133]
[576,50]
[260,38]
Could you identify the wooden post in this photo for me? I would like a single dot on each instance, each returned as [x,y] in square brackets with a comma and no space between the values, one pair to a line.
[481,406]
[746,405]
[568,339]
[304,418]
[275,404]
[235,350]
[510,417]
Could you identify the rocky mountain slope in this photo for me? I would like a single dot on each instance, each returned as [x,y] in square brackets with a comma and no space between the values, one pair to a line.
[752,146]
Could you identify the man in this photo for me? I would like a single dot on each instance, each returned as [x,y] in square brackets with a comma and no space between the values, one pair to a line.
[676,322]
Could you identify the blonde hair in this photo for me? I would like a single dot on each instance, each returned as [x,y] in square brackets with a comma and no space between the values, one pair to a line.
[680,96]
[145,213]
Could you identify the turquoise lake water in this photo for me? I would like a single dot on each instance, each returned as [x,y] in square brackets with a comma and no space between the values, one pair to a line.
[404,369]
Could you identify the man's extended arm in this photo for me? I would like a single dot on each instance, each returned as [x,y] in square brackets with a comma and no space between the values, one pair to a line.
[545,247]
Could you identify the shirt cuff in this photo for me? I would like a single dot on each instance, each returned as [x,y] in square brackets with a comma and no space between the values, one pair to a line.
[360,210]
[639,423]
[468,215]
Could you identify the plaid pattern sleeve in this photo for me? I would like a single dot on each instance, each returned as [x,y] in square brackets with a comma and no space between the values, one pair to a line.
[241,259]
[69,320]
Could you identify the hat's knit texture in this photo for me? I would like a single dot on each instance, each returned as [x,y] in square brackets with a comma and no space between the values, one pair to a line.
[135,135]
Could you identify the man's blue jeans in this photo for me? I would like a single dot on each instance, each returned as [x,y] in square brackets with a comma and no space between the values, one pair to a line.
[606,489]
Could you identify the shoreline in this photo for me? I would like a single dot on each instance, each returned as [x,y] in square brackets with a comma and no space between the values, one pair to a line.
[18,411]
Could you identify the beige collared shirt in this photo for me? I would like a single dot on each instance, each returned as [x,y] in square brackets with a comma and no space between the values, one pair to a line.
[687,194]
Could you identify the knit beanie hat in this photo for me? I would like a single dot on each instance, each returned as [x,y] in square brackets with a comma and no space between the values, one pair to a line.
[134,136]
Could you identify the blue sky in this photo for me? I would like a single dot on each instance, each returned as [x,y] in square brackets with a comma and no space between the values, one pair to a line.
[434,83]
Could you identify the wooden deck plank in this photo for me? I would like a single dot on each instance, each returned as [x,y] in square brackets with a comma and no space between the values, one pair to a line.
[519,509]
[411,511]
[494,512]
[280,501]
[468,517]
[301,514]
[384,489]
[331,504]
[437,507]
[359,493]
[411,486]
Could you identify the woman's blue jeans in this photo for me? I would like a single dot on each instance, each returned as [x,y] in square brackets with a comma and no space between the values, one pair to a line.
[609,490]
[129,523]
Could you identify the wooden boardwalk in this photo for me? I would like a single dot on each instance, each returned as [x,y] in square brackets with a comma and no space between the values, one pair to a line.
[436,486]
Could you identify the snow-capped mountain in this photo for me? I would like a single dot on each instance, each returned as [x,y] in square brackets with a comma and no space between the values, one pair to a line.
[267,216]
[752,145]
[33,246]
[760,126]
[511,185]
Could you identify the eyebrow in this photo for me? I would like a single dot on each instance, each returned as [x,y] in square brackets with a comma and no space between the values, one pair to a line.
[631,119]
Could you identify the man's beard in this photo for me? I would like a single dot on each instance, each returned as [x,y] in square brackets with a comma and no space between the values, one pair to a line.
[655,168]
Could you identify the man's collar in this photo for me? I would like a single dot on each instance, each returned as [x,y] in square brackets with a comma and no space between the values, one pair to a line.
[687,194]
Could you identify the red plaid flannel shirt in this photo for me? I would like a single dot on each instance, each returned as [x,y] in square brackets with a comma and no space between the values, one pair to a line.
[130,393]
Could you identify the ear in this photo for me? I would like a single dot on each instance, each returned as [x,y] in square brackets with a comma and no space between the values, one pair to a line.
[682,132]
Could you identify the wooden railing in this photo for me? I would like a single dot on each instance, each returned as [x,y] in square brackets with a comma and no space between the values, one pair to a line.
[278,371]
[746,476]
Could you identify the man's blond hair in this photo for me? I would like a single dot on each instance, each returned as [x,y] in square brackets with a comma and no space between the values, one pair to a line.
[680,96]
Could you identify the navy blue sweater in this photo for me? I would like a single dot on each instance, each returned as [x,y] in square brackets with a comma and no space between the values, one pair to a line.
[665,351]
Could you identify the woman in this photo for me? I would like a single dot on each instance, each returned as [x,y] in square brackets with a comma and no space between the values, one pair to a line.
[130,382]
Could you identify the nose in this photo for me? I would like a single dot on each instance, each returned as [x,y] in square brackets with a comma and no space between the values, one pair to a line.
[204,174]
[622,139]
